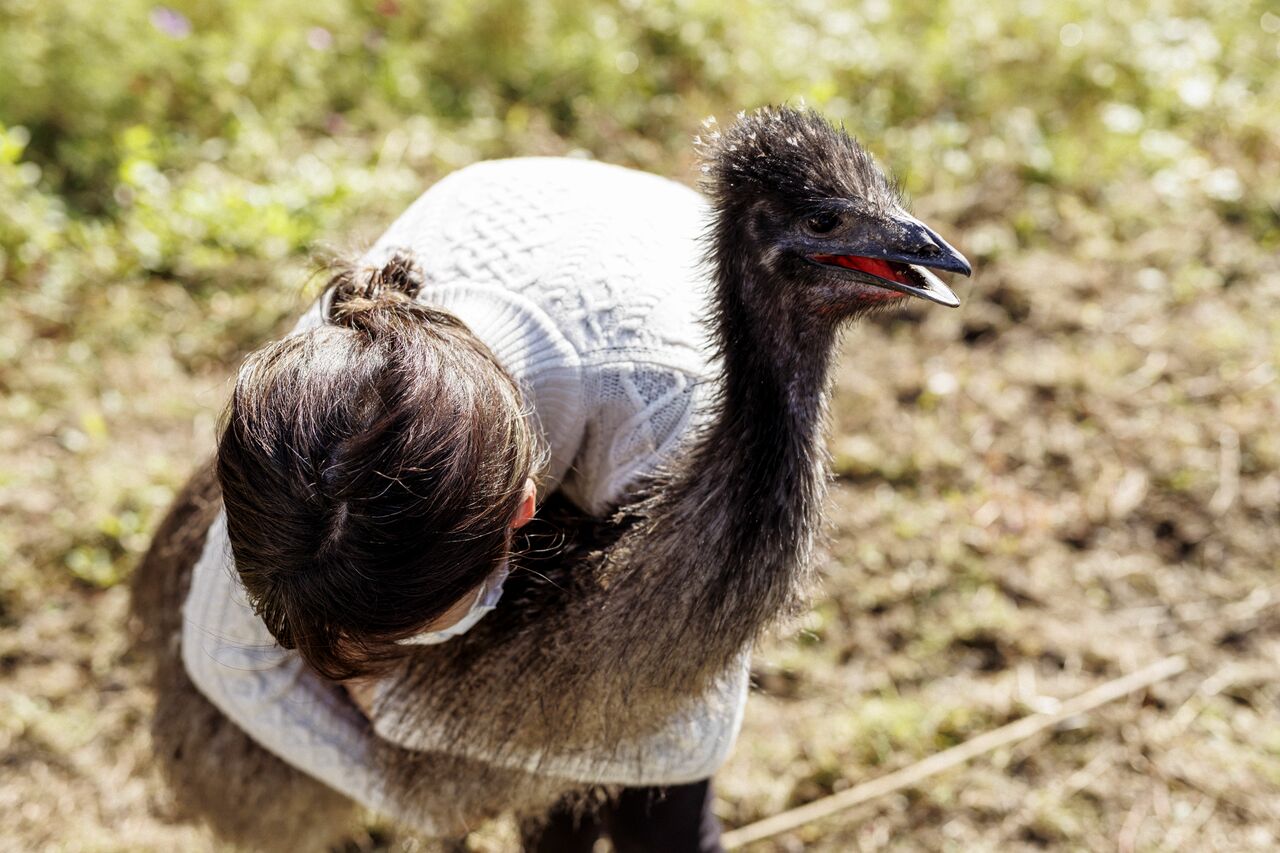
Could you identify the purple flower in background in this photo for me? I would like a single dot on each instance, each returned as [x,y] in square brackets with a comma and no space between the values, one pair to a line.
[171,22]
[319,38]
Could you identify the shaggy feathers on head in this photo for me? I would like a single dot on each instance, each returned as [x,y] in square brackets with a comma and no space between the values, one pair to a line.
[793,156]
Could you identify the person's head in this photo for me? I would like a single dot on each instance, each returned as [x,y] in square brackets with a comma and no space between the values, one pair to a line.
[372,471]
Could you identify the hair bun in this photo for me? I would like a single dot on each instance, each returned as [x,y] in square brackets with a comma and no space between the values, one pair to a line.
[354,291]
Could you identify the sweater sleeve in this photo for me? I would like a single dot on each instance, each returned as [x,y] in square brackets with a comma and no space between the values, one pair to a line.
[268,691]
[642,413]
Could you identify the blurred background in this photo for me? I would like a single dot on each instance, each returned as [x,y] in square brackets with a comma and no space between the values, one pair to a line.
[1072,475]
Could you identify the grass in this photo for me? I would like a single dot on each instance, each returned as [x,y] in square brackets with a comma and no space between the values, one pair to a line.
[1072,475]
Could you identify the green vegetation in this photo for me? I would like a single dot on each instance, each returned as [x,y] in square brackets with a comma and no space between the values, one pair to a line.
[1077,471]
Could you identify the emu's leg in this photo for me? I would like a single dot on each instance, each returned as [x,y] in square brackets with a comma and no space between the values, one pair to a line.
[217,774]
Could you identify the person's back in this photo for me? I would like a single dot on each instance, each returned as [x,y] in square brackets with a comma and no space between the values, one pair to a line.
[576,237]
[589,276]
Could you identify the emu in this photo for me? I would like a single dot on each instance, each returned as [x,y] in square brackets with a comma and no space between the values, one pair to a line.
[638,615]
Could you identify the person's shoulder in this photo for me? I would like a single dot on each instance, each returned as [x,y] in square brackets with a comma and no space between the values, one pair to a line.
[641,410]
[222,636]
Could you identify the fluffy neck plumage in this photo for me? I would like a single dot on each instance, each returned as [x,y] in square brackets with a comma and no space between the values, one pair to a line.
[752,483]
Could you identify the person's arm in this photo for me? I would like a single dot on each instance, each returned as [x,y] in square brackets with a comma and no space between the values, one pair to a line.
[646,410]
[268,691]
[362,692]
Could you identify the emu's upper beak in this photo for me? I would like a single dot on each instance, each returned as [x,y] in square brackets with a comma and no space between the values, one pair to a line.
[899,253]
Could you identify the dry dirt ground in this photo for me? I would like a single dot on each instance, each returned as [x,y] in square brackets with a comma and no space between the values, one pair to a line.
[1073,475]
[1068,478]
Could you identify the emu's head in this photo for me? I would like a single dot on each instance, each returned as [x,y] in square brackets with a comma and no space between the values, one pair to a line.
[804,201]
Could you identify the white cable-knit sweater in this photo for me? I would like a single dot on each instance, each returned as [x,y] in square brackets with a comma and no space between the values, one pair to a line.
[585,281]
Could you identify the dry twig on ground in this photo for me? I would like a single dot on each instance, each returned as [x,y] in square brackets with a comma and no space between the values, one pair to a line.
[946,760]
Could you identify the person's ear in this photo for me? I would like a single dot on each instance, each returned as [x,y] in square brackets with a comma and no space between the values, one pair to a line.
[528,504]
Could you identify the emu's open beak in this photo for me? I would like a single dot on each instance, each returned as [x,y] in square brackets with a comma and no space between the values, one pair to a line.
[899,253]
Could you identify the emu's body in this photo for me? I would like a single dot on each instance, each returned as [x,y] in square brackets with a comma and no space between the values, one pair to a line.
[637,616]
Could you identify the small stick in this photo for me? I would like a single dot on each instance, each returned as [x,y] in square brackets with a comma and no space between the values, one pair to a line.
[1228,472]
[947,759]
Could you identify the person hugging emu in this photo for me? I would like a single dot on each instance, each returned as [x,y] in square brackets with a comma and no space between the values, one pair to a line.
[533,343]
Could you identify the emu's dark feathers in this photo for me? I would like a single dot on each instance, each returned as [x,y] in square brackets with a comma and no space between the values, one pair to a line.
[793,156]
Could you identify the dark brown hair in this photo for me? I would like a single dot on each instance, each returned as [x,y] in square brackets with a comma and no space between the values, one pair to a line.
[370,469]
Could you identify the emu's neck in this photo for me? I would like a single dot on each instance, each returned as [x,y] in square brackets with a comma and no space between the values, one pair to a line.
[745,506]
[760,456]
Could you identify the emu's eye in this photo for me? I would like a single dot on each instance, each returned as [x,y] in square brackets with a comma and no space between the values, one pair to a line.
[823,223]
